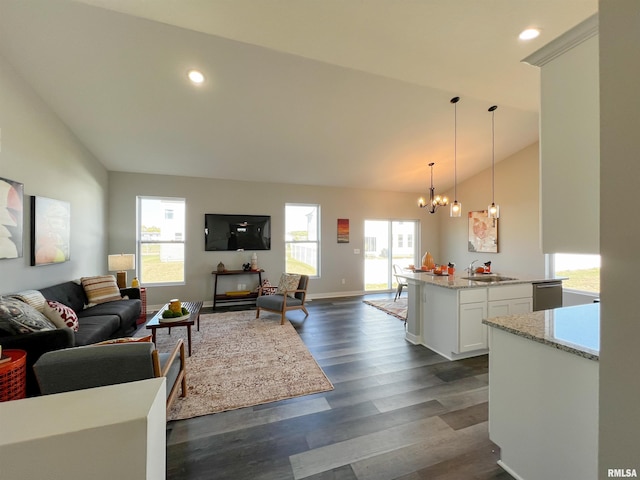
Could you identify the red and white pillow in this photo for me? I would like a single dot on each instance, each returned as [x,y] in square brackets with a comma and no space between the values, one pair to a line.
[60,315]
[267,288]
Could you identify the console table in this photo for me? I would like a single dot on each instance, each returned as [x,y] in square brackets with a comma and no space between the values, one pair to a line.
[223,297]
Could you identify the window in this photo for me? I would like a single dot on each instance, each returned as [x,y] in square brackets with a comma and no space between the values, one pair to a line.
[583,271]
[161,237]
[302,239]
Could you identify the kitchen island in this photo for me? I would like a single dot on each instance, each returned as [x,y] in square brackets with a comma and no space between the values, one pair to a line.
[543,392]
[445,313]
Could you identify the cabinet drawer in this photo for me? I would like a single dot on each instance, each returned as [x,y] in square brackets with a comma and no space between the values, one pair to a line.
[472,295]
[508,292]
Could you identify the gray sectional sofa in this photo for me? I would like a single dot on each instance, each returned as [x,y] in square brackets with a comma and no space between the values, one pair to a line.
[96,323]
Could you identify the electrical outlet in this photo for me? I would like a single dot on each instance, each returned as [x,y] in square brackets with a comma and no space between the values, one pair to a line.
[356,251]
[344,281]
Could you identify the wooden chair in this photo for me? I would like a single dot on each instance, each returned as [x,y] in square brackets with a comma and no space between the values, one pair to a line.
[282,303]
[100,365]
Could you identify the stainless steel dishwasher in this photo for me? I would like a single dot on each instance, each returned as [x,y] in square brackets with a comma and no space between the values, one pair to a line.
[547,295]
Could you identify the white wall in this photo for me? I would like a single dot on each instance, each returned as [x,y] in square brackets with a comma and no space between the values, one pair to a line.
[202,195]
[38,150]
[516,182]
[619,233]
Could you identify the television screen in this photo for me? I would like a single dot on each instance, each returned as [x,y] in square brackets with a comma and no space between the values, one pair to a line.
[237,232]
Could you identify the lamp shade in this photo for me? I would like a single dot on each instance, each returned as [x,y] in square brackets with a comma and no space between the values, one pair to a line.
[122,261]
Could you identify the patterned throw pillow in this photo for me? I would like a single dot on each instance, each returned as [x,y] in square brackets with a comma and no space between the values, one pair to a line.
[17,317]
[32,297]
[288,283]
[61,315]
[125,340]
[267,288]
[101,289]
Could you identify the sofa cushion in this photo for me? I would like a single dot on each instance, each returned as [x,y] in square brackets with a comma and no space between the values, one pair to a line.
[17,317]
[275,302]
[61,315]
[126,340]
[95,328]
[101,289]
[69,293]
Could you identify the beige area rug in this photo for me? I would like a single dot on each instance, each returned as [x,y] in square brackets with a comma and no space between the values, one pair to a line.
[398,309]
[239,361]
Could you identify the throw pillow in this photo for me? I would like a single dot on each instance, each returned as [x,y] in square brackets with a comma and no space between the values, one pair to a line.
[288,283]
[267,288]
[61,315]
[17,317]
[32,297]
[125,340]
[101,289]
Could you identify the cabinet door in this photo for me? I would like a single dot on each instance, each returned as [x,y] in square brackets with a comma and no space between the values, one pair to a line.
[473,333]
[513,306]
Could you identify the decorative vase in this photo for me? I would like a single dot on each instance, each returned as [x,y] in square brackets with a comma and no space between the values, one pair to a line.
[135,283]
[254,261]
[220,267]
[427,261]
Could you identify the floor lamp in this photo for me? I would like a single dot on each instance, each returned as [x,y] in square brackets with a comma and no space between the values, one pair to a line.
[120,264]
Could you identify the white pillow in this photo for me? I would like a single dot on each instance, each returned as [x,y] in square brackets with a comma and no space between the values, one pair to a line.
[288,283]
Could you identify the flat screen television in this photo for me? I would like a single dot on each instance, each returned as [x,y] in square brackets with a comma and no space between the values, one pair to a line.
[236,232]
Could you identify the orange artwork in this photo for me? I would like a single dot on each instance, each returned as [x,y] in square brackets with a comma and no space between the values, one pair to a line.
[343,230]
[483,233]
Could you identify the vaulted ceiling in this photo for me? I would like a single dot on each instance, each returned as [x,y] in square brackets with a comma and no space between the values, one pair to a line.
[326,92]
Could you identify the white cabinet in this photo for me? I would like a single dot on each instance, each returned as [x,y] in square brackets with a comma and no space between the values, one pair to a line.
[510,300]
[451,319]
[570,140]
[472,334]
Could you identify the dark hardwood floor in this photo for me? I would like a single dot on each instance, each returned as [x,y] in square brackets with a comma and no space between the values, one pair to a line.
[398,411]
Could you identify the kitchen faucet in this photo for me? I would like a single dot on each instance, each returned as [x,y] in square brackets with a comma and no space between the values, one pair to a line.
[471,269]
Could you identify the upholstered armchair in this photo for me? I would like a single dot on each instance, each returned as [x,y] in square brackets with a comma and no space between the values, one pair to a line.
[100,365]
[284,301]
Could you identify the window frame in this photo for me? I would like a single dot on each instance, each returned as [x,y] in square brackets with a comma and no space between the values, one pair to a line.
[140,242]
[318,240]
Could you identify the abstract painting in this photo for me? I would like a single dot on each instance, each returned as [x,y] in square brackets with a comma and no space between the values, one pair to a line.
[343,230]
[11,218]
[50,231]
[483,233]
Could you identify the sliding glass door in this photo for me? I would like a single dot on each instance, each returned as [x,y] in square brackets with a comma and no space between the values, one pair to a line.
[387,242]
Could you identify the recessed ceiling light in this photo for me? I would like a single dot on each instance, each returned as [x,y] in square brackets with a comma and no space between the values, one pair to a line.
[196,77]
[529,34]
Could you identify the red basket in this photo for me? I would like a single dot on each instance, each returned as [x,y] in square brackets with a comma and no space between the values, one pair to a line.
[13,375]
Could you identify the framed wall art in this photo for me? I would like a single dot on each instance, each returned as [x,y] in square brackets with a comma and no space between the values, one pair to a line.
[483,232]
[11,218]
[343,230]
[50,231]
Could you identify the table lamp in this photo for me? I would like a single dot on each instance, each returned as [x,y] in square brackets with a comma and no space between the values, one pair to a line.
[120,263]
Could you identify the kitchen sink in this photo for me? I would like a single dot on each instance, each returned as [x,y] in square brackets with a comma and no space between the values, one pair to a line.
[489,278]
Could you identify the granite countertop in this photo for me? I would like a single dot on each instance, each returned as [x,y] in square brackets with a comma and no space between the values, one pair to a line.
[457,280]
[572,329]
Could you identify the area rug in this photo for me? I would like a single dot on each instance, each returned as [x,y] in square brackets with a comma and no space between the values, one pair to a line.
[398,309]
[239,361]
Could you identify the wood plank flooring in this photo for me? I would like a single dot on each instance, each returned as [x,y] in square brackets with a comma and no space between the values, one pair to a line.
[398,411]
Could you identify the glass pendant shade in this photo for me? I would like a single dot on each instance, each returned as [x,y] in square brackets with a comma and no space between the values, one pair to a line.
[493,211]
[455,209]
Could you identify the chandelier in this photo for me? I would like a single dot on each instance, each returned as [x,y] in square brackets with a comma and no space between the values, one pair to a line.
[435,201]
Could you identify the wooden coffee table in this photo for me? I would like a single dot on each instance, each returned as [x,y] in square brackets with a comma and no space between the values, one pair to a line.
[194,316]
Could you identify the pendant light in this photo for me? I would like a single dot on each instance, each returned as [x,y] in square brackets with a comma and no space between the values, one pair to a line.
[455,209]
[435,201]
[493,211]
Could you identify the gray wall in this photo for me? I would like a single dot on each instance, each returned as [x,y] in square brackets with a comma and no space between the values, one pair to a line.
[619,233]
[338,261]
[39,151]
[517,187]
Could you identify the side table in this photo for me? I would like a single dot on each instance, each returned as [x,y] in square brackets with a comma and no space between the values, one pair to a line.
[13,376]
[143,312]
[223,297]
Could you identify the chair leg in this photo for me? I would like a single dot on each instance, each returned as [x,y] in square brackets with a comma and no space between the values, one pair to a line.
[257,312]
[398,292]
[304,309]
[282,319]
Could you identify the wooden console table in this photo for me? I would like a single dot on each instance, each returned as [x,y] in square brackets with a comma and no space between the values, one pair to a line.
[223,297]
